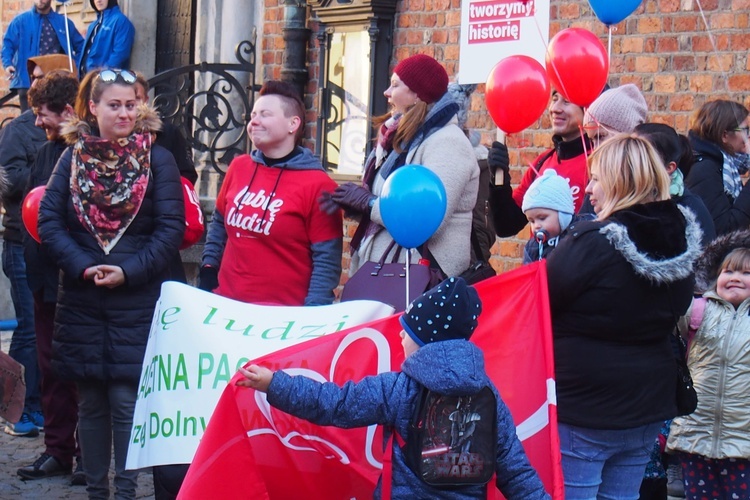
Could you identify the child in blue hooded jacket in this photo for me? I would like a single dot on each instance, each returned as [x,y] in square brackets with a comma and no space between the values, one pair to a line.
[440,359]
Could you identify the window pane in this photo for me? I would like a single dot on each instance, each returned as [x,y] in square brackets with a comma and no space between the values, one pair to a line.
[349,90]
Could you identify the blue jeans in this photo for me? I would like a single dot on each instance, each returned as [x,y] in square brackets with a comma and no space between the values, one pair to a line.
[105,418]
[23,342]
[605,464]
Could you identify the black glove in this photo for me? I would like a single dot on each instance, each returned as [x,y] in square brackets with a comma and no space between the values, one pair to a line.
[498,159]
[208,278]
[326,203]
[353,197]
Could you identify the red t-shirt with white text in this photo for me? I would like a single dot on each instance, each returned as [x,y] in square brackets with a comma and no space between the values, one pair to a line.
[267,258]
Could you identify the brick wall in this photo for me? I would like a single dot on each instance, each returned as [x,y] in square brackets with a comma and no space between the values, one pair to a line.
[663,47]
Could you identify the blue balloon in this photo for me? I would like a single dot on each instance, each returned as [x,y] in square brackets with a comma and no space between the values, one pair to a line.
[613,11]
[412,204]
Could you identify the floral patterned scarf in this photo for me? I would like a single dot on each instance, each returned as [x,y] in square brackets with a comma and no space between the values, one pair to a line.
[108,182]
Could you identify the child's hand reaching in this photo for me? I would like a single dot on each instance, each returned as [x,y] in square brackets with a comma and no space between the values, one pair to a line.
[256,377]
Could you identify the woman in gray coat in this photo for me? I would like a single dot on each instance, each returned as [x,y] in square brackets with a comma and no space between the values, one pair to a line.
[422,129]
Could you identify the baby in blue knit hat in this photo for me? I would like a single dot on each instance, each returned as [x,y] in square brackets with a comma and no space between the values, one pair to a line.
[439,358]
[549,208]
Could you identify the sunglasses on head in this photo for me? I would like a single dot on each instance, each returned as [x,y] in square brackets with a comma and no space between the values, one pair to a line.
[112,75]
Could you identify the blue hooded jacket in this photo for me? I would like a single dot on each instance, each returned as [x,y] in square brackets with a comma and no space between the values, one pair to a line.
[111,46]
[21,41]
[450,367]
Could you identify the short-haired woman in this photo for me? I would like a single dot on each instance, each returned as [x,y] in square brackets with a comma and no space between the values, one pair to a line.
[269,242]
[616,285]
[719,137]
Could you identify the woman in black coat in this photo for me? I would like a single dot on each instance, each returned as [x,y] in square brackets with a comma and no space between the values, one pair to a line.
[675,151]
[616,286]
[112,216]
[719,137]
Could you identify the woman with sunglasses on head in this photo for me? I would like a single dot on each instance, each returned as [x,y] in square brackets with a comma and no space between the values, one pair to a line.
[112,217]
[719,137]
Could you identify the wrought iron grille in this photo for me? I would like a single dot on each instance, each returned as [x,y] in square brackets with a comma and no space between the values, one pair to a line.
[341,141]
[213,120]
[9,108]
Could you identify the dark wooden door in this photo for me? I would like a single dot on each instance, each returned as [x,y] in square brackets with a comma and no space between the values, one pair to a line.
[175,34]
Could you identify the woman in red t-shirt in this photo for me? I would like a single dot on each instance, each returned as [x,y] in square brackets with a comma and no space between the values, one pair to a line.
[268,241]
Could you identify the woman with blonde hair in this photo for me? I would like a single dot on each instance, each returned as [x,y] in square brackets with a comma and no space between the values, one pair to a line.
[616,286]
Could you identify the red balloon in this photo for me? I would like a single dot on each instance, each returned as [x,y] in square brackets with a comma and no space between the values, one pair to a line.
[577,65]
[30,211]
[517,93]
[193,215]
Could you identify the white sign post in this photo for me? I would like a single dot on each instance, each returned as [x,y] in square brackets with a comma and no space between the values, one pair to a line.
[495,29]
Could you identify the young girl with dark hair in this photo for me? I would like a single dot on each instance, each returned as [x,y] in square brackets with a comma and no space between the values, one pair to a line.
[676,153]
[713,443]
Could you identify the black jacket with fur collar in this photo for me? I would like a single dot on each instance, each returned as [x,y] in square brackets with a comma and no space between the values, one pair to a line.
[616,288]
[101,333]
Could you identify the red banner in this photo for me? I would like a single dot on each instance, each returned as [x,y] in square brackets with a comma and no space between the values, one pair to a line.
[251,450]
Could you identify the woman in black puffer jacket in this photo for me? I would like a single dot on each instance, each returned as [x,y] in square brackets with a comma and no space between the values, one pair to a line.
[112,216]
[719,137]
[617,286]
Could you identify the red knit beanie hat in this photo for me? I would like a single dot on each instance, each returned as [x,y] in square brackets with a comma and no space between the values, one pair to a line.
[424,76]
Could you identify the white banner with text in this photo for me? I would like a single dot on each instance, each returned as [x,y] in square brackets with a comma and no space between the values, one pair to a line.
[196,343]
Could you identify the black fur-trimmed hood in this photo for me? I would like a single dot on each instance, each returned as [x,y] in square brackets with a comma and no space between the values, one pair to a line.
[707,265]
[661,244]
[147,120]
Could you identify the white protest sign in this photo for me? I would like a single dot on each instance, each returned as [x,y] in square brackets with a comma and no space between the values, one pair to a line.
[495,29]
[196,343]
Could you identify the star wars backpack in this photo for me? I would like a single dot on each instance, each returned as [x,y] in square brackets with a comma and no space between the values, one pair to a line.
[452,439]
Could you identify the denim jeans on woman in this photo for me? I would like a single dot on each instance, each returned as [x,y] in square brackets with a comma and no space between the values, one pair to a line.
[605,464]
[105,416]
[23,341]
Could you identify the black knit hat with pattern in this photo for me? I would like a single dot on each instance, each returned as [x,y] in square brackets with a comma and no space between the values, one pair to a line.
[447,312]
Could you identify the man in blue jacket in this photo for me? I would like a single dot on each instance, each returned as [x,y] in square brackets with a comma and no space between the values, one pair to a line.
[38,31]
[109,39]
